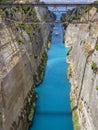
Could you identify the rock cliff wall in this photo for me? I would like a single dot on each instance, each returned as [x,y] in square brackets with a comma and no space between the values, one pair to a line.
[82,39]
[22,60]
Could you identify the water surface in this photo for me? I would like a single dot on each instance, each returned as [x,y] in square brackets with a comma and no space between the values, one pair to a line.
[53,110]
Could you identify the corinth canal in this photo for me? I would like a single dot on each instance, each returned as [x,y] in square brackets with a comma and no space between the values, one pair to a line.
[53,110]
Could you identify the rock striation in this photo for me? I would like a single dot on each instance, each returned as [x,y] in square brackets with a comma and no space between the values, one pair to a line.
[23,54]
[82,39]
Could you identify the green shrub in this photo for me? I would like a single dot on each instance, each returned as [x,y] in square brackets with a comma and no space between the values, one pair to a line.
[81,42]
[20,40]
[96,87]
[94,66]
[31,114]
[35,56]
[86,9]
[27,29]
[49,44]
[25,9]
[96,2]
[89,27]
[77,17]
[7,1]
[69,51]
[2,12]
[69,72]
[96,47]
[75,116]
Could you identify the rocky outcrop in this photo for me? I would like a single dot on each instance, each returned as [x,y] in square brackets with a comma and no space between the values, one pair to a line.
[73,14]
[23,53]
[83,72]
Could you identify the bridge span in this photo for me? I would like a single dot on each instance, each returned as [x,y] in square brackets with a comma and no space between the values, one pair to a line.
[25,17]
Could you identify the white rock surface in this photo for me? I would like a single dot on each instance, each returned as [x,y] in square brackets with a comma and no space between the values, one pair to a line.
[83,40]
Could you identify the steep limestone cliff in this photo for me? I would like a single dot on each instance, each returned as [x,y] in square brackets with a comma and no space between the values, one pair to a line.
[82,39]
[22,60]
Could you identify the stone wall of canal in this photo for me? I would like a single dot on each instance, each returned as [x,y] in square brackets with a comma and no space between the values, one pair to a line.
[23,54]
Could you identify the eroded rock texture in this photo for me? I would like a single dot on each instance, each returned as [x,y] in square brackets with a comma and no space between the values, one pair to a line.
[22,60]
[83,60]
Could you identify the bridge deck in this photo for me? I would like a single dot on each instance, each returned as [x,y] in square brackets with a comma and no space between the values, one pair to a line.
[49,4]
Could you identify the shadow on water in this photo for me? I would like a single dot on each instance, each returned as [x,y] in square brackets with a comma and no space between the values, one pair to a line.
[53,110]
[55,113]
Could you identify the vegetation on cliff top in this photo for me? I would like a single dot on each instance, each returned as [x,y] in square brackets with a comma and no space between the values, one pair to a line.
[96,2]
[86,9]
[7,1]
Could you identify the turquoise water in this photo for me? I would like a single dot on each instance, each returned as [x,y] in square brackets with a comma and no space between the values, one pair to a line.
[53,110]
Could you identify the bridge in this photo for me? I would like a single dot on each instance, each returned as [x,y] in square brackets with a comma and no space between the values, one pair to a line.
[48,4]
[25,17]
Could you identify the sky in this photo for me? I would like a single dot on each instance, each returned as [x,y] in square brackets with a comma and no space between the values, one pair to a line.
[61,1]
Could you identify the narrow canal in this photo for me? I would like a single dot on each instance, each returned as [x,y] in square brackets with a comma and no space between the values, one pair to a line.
[53,110]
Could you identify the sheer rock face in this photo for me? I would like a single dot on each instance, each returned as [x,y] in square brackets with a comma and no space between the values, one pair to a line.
[21,50]
[83,39]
